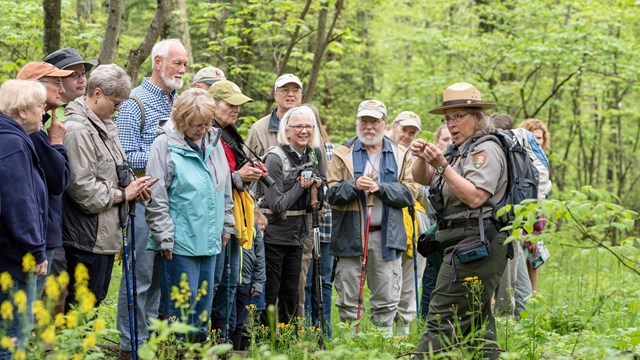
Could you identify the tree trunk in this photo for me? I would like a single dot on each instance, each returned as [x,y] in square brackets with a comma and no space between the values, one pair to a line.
[320,45]
[84,8]
[109,48]
[137,56]
[177,26]
[51,39]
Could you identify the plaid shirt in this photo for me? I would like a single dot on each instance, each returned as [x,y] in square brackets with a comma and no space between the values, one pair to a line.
[157,107]
[325,223]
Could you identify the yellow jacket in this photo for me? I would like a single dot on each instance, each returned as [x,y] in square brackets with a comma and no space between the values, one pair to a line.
[243,214]
[407,225]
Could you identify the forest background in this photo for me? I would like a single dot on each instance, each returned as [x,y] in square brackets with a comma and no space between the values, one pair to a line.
[571,64]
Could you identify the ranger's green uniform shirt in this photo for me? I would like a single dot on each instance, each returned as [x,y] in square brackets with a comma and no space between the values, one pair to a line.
[485,166]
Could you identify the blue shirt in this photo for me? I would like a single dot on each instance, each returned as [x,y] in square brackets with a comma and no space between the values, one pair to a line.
[157,106]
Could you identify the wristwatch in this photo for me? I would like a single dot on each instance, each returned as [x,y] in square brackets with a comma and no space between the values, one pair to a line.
[441,168]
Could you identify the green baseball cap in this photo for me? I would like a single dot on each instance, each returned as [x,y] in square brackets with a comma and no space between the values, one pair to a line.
[229,92]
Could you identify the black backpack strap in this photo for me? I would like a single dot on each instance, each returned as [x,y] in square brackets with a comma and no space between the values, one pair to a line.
[142,116]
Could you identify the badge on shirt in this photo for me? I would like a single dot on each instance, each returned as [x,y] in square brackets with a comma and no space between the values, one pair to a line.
[479,159]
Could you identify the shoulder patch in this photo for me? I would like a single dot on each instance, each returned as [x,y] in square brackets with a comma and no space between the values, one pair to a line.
[479,159]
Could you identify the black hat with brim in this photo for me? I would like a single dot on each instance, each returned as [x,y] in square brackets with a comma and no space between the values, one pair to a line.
[66,57]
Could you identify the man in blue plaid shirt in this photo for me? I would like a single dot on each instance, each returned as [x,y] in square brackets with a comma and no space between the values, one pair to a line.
[151,101]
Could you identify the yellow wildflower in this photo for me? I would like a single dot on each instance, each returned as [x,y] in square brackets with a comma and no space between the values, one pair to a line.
[72,319]
[49,334]
[89,342]
[82,275]
[51,288]
[6,281]
[20,299]
[63,279]
[85,298]
[40,313]
[28,263]
[61,357]
[251,307]
[471,279]
[6,310]
[8,343]
[99,325]
[77,357]
[59,320]
[20,355]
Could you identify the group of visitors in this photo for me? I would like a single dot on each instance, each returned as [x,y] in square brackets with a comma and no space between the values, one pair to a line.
[90,165]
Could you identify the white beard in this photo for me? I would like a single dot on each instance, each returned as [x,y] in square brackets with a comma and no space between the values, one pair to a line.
[374,141]
[173,84]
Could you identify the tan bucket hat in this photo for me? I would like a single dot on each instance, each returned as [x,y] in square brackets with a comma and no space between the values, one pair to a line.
[459,95]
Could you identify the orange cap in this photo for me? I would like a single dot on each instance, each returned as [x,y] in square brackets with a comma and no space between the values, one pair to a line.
[36,70]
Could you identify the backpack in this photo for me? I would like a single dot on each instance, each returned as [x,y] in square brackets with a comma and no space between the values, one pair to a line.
[539,158]
[523,177]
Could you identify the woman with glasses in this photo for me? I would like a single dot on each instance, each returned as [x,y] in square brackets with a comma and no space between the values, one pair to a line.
[190,216]
[295,167]
[23,209]
[462,180]
[91,232]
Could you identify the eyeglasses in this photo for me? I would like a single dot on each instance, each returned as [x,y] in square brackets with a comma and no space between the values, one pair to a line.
[76,75]
[454,119]
[116,104]
[299,128]
[283,90]
[56,83]
[201,126]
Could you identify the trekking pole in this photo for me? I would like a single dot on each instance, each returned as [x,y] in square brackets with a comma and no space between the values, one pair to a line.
[122,214]
[415,255]
[363,268]
[228,272]
[317,257]
[134,284]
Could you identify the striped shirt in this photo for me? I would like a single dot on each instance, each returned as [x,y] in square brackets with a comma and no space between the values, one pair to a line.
[325,223]
[157,106]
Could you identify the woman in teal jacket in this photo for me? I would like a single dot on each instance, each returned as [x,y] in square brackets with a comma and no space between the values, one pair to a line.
[190,214]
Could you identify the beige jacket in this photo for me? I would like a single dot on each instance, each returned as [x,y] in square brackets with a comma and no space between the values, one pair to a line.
[261,136]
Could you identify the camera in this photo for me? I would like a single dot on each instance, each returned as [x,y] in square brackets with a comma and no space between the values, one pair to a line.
[307,174]
[125,175]
[265,178]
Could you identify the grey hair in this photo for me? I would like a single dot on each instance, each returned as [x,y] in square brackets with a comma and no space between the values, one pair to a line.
[111,79]
[162,47]
[484,124]
[316,138]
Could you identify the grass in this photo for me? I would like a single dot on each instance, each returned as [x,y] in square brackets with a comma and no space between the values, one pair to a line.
[587,308]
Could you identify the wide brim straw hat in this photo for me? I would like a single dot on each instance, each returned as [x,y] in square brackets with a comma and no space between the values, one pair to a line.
[461,95]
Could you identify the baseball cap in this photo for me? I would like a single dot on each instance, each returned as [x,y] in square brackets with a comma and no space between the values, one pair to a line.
[36,70]
[408,118]
[373,108]
[285,79]
[66,57]
[209,75]
[229,92]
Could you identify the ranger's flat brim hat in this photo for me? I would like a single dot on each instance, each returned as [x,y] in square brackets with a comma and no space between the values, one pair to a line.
[461,95]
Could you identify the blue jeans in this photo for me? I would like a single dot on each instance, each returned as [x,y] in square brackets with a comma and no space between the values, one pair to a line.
[223,302]
[428,284]
[20,326]
[199,269]
[41,279]
[311,298]
[148,285]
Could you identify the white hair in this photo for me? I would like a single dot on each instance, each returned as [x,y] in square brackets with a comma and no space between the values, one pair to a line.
[316,138]
[162,47]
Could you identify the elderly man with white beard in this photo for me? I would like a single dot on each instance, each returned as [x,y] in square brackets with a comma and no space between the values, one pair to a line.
[138,118]
[370,182]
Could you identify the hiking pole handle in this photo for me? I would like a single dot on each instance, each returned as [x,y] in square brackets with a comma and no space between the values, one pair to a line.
[315,206]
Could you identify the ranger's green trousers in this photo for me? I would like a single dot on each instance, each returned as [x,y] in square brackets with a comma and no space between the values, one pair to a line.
[456,298]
